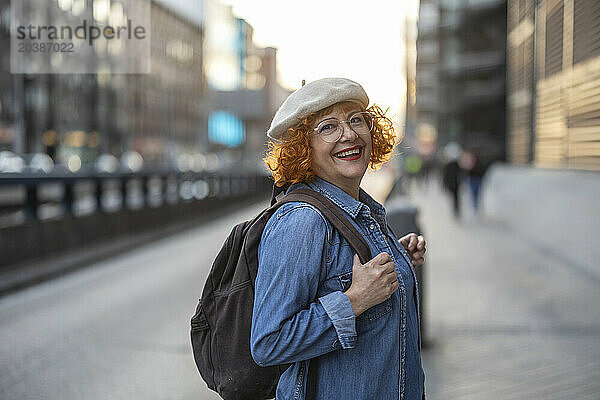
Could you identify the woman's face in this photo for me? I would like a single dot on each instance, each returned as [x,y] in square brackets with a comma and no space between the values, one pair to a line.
[327,162]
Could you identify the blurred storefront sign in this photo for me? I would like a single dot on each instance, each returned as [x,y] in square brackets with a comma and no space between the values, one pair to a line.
[225,128]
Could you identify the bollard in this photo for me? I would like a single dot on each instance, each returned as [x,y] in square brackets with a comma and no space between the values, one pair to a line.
[123,189]
[69,197]
[145,183]
[30,207]
[402,217]
[99,191]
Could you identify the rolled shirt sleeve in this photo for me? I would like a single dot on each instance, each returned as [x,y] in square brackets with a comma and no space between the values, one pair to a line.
[338,307]
[288,323]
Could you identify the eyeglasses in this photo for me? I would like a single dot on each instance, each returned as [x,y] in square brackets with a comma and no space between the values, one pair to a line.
[331,129]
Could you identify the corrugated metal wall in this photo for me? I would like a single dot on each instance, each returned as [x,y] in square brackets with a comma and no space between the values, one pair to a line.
[566,96]
[519,78]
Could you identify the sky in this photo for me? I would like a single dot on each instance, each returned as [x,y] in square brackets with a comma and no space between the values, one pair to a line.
[359,40]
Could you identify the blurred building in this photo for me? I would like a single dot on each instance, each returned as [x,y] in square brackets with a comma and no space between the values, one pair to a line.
[243,78]
[210,90]
[422,83]
[7,108]
[554,83]
[169,108]
[460,75]
[66,114]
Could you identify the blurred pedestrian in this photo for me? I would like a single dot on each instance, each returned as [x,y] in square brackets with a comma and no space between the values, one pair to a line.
[353,326]
[451,174]
[474,168]
[412,165]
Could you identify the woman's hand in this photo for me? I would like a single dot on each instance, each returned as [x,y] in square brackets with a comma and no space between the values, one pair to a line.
[372,282]
[415,246]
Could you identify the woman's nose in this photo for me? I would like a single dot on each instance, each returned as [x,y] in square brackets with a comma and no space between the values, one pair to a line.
[348,133]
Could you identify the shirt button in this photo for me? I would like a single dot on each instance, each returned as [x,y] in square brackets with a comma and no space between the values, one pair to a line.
[372,226]
[401,395]
[403,325]
[402,360]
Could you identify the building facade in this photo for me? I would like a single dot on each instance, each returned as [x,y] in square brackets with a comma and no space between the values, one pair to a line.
[460,74]
[210,90]
[554,83]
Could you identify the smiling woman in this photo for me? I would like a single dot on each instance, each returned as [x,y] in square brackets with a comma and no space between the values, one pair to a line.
[316,306]
[290,159]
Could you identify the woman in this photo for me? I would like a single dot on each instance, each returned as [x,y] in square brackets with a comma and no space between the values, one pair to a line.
[313,297]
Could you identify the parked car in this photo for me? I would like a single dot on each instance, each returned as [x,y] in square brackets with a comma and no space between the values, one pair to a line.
[38,163]
[11,162]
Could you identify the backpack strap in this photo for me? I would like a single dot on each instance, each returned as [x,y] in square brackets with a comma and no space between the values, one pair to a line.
[276,191]
[392,231]
[333,215]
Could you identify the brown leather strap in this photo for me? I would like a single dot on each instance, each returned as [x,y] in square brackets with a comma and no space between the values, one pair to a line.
[392,232]
[333,215]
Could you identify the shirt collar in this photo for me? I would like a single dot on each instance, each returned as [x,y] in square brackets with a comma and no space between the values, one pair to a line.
[343,199]
[376,208]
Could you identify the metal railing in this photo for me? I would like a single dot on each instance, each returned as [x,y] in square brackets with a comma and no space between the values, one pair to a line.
[36,197]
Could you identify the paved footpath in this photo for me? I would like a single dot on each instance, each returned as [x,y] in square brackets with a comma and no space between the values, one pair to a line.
[505,319]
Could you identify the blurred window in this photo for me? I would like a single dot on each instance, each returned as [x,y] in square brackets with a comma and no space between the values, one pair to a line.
[525,9]
[554,41]
[428,49]
[426,78]
[586,30]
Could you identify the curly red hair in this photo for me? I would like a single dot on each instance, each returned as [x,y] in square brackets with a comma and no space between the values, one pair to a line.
[290,160]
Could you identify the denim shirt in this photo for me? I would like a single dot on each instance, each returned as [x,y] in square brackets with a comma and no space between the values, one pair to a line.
[300,310]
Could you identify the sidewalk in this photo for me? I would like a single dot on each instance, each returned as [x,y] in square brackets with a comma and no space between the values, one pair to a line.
[505,319]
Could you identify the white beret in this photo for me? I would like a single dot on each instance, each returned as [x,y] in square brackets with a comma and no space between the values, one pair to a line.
[312,97]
